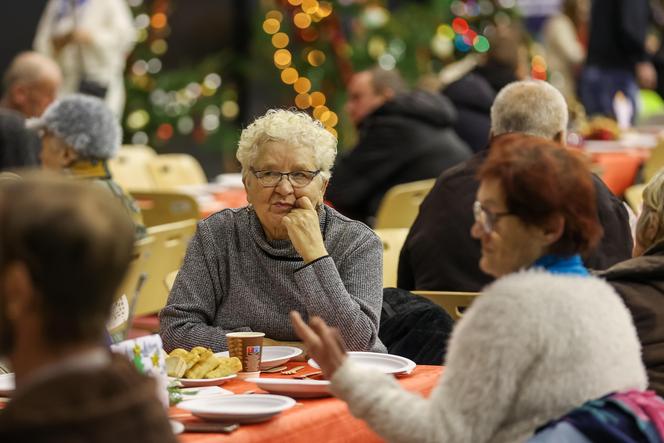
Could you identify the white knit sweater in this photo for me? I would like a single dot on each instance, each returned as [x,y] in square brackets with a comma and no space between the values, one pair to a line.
[532,347]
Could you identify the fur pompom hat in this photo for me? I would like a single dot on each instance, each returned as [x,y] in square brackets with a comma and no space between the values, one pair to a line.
[83,122]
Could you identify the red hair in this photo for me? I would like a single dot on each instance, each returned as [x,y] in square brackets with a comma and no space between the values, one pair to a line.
[542,179]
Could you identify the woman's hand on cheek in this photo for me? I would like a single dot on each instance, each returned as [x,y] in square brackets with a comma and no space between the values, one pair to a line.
[323,343]
[303,229]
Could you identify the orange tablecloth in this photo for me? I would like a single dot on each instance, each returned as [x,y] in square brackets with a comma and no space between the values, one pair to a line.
[231,198]
[312,420]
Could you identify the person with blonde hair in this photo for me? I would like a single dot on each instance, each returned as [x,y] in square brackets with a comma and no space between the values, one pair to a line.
[640,281]
[246,268]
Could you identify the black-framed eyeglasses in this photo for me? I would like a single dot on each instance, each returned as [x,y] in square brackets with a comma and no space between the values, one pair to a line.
[298,179]
[486,218]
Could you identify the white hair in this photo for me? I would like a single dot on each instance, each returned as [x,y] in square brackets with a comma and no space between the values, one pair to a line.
[293,128]
[531,107]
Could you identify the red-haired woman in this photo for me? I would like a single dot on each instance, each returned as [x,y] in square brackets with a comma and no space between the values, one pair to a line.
[544,338]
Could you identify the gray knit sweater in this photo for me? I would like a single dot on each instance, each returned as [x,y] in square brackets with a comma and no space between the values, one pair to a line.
[234,279]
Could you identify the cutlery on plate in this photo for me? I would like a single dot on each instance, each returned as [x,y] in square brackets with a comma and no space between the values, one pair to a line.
[196,426]
[274,370]
[293,371]
[309,375]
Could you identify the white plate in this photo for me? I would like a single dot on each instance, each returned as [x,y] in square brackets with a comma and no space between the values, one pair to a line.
[385,363]
[176,427]
[197,382]
[238,408]
[7,385]
[294,388]
[272,356]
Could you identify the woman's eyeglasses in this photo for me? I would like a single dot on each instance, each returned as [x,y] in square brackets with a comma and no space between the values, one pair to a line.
[298,179]
[486,218]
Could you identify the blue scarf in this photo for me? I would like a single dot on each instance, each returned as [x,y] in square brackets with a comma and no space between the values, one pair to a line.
[556,264]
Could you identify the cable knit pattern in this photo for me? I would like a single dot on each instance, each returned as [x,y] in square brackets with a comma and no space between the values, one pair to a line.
[532,347]
[234,279]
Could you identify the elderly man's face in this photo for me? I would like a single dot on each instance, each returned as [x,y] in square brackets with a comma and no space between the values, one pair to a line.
[273,203]
[362,97]
[32,99]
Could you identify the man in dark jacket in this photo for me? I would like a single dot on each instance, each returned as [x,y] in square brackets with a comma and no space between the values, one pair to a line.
[617,56]
[439,253]
[65,249]
[403,137]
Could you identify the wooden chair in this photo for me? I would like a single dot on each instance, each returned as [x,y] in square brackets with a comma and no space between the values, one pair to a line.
[634,197]
[401,204]
[170,245]
[129,167]
[453,302]
[162,207]
[654,163]
[393,240]
[134,280]
[170,171]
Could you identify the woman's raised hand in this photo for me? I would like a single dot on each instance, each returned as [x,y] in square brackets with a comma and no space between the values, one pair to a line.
[304,230]
[323,343]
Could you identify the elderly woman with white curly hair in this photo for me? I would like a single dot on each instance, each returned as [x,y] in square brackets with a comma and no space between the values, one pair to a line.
[247,268]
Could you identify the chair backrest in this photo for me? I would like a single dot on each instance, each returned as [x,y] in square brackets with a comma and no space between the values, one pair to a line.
[129,167]
[162,207]
[453,302]
[170,246]
[143,250]
[393,240]
[170,171]
[400,205]
[634,197]
[654,163]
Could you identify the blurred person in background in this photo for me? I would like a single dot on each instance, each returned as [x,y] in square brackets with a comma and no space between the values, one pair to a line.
[640,281]
[65,250]
[90,40]
[79,135]
[564,38]
[617,57]
[402,137]
[438,255]
[247,268]
[29,85]
[544,338]
[474,92]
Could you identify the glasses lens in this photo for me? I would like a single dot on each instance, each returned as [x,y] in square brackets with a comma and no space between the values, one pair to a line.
[301,178]
[268,178]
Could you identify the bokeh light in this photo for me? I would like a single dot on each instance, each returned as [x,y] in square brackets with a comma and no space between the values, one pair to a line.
[159,20]
[317,99]
[303,101]
[280,40]
[302,85]
[302,20]
[277,15]
[316,57]
[282,58]
[310,6]
[289,76]
[460,25]
[481,43]
[271,25]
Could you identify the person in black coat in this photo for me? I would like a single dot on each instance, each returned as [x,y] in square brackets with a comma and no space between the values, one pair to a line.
[472,95]
[439,253]
[19,146]
[403,137]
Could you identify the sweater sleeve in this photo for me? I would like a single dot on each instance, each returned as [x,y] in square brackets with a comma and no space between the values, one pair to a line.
[350,297]
[488,353]
[187,319]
